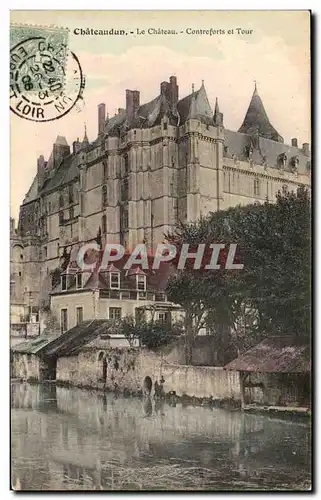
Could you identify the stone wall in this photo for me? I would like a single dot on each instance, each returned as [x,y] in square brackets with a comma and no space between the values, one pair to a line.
[277,389]
[128,369]
[25,366]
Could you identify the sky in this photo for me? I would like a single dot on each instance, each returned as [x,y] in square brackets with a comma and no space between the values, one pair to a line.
[276,55]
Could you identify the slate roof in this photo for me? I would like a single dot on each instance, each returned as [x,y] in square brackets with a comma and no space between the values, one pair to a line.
[197,106]
[61,140]
[257,121]
[274,355]
[264,150]
[66,172]
[34,346]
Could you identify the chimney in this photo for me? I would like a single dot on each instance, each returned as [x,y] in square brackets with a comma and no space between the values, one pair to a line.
[76,145]
[305,147]
[60,150]
[173,91]
[294,143]
[165,89]
[101,117]
[41,171]
[132,103]
[12,225]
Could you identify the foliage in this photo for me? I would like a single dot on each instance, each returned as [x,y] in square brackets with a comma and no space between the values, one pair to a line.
[271,295]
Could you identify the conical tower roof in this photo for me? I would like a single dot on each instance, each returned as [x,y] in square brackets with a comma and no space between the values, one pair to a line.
[85,140]
[256,120]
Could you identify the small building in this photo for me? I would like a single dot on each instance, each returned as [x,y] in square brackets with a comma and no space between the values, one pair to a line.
[37,359]
[28,362]
[276,373]
[112,293]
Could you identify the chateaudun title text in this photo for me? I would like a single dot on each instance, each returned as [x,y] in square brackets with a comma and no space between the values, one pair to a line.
[161,31]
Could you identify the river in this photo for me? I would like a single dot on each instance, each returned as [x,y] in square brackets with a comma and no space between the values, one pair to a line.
[73,439]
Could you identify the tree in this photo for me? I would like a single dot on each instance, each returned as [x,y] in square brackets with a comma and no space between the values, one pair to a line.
[151,334]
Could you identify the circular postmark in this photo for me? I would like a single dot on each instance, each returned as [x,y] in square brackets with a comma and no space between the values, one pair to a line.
[46,81]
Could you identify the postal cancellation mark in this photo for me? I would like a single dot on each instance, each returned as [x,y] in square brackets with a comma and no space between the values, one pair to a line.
[46,79]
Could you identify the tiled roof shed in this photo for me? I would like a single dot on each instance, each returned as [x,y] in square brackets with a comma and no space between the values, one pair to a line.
[274,355]
[35,346]
[70,342]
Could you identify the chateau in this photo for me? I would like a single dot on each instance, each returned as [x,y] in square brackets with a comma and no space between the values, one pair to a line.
[150,166]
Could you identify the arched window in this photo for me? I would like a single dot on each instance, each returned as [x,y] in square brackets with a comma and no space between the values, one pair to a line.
[102,362]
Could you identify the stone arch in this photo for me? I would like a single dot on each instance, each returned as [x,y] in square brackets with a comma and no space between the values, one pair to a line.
[147,385]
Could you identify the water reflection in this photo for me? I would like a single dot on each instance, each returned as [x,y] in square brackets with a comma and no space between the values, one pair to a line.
[79,440]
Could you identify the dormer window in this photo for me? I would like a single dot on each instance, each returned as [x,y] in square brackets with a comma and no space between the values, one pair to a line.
[294,163]
[282,160]
[141,282]
[78,280]
[64,282]
[114,281]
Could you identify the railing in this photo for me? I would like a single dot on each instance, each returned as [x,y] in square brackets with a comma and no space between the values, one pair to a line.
[132,295]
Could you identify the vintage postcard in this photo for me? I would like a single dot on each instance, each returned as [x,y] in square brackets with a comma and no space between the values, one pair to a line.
[160,237]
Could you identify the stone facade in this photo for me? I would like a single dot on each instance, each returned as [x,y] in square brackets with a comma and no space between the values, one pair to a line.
[95,306]
[150,166]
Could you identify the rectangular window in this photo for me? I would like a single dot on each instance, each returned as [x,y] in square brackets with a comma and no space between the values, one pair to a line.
[256,187]
[104,195]
[139,315]
[105,170]
[141,282]
[162,317]
[64,320]
[115,313]
[114,281]
[126,165]
[71,213]
[61,218]
[71,194]
[80,315]
[124,218]
[79,280]
[165,317]
[61,200]
[64,282]
[124,189]
[104,224]
[45,252]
